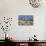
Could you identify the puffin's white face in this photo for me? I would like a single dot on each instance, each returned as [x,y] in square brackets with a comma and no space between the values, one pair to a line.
[35,3]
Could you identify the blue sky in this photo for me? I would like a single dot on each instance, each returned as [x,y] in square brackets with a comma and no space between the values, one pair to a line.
[28,17]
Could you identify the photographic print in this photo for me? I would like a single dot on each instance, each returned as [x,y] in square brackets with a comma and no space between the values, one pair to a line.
[25,20]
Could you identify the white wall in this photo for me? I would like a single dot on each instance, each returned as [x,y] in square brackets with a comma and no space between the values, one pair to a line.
[13,8]
[45,28]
